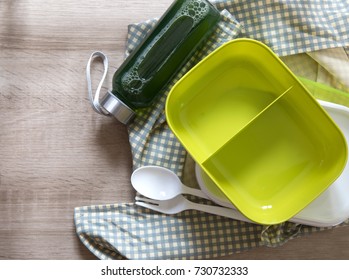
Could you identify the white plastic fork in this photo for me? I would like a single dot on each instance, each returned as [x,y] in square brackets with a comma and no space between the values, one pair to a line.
[180,203]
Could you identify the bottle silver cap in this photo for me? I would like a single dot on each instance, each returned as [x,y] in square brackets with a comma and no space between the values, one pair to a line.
[117,108]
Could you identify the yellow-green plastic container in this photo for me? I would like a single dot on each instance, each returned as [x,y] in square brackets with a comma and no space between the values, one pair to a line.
[256,131]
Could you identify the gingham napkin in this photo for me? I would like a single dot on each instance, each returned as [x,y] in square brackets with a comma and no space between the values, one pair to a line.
[128,231]
[293,26]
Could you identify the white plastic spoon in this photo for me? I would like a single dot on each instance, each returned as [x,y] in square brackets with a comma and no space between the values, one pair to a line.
[160,183]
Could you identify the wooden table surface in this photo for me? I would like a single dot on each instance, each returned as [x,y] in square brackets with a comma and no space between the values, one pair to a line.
[56,153]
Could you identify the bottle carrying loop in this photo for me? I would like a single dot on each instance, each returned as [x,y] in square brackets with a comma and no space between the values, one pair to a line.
[94,98]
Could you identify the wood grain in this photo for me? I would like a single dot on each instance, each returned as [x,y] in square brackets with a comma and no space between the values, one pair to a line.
[56,153]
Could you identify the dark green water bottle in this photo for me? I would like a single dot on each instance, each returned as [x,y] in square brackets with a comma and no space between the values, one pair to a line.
[160,55]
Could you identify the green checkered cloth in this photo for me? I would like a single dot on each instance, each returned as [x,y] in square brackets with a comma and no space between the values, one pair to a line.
[127,231]
[292,26]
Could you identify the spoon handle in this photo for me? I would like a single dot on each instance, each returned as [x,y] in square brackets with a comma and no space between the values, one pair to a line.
[218,210]
[194,191]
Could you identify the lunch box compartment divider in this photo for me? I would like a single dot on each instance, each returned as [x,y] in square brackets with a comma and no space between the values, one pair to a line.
[247,124]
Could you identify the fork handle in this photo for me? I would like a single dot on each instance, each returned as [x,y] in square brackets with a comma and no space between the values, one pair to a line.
[220,211]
